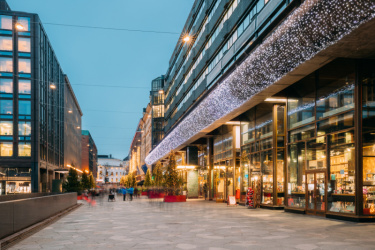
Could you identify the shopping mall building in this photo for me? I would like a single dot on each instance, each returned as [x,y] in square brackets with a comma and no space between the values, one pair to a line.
[279,96]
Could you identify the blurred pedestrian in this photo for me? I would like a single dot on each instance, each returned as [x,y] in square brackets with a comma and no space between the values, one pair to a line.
[124,193]
[131,191]
[136,192]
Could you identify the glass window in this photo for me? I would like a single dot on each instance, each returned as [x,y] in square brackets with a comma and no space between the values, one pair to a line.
[264,120]
[248,128]
[301,102]
[316,153]
[6,107]
[296,175]
[6,128]
[341,188]
[24,107]
[335,92]
[6,22]
[24,149]
[336,123]
[24,87]
[24,128]
[25,22]
[6,86]
[24,45]
[24,66]
[6,149]
[303,133]
[267,175]
[6,43]
[6,64]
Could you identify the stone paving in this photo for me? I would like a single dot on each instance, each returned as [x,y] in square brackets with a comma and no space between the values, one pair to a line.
[196,224]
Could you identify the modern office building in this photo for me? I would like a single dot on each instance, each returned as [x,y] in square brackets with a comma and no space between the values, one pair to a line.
[157,114]
[32,89]
[89,158]
[277,96]
[72,132]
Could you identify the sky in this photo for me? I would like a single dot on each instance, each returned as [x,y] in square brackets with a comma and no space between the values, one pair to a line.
[111,57]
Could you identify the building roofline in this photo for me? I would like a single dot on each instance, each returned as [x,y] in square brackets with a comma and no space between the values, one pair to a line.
[73,94]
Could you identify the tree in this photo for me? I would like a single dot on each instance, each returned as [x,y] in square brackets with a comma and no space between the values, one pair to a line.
[158,175]
[147,182]
[172,180]
[85,182]
[72,184]
[123,181]
[92,181]
[133,181]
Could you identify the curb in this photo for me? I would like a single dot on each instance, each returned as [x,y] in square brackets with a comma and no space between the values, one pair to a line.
[19,236]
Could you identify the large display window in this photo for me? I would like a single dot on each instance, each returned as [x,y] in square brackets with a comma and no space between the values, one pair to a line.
[296,175]
[267,177]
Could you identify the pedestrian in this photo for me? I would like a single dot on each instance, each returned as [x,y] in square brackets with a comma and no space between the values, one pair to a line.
[130,191]
[136,192]
[124,193]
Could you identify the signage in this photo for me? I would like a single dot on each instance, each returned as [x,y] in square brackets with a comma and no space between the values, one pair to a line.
[232,200]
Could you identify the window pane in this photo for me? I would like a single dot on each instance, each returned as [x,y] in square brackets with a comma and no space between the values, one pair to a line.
[6,148]
[6,86]
[6,128]
[6,64]
[6,107]
[24,108]
[24,44]
[6,43]
[6,22]
[24,128]
[24,149]
[296,175]
[316,153]
[25,22]
[24,87]
[24,65]
[267,173]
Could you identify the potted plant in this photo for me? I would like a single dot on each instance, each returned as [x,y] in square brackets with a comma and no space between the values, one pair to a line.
[173,182]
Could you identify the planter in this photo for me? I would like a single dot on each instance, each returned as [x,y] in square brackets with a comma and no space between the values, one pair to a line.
[144,193]
[175,198]
[79,197]
[156,195]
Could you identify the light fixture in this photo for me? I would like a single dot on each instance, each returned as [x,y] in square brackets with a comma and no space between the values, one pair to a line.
[185,167]
[52,86]
[233,123]
[275,100]
[161,91]
[19,26]
[78,127]
[70,111]
[186,39]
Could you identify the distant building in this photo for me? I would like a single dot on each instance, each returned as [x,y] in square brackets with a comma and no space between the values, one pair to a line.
[110,170]
[32,105]
[89,153]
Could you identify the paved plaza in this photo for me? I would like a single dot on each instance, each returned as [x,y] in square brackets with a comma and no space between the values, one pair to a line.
[196,224]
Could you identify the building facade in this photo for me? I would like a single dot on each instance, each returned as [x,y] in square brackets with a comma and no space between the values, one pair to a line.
[89,158]
[277,96]
[110,170]
[32,86]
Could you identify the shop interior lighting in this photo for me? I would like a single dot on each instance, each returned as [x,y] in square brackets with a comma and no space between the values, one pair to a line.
[185,167]
[275,100]
[311,28]
[233,123]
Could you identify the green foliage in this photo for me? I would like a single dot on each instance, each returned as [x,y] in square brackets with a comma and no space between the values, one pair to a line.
[123,180]
[158,175]
[130,180]
[148,182]
[85,182]
[172,180]
[72,184]
[92,181]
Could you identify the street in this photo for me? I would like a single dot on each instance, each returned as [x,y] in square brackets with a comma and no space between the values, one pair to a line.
[196,224]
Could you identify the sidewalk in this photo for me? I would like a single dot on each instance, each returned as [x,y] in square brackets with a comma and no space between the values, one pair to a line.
[196,224]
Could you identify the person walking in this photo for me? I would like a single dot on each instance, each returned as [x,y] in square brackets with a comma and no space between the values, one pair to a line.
[131,191]
[136,192]
[124,193]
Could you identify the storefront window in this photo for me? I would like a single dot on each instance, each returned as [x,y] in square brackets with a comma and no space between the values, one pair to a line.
[24,128]
[303,133]
[255,177]
[24,66]
[6,149]
[296,175]
[336,123]
[219,181]
[245,162]
[267,177]
[280,177]
[6,22]
[264,121]
[24,149]
[6,43]
[24,45]
[301,102]
[24,87]
[6,128]
[6,86]
[335,92]
[341,188]
[316,154]
[229,179]
[6,64]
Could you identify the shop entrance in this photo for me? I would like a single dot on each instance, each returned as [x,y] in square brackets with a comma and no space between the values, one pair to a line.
[316,193]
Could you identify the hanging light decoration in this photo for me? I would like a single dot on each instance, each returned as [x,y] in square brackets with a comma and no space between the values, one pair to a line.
[311,28]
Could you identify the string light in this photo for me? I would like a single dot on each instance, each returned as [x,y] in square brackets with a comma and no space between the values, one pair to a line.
[311,28]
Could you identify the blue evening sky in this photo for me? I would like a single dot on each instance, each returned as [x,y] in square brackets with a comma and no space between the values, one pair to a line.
[107,57]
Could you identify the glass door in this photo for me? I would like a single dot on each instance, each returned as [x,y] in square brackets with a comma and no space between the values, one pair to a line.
[316,193]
